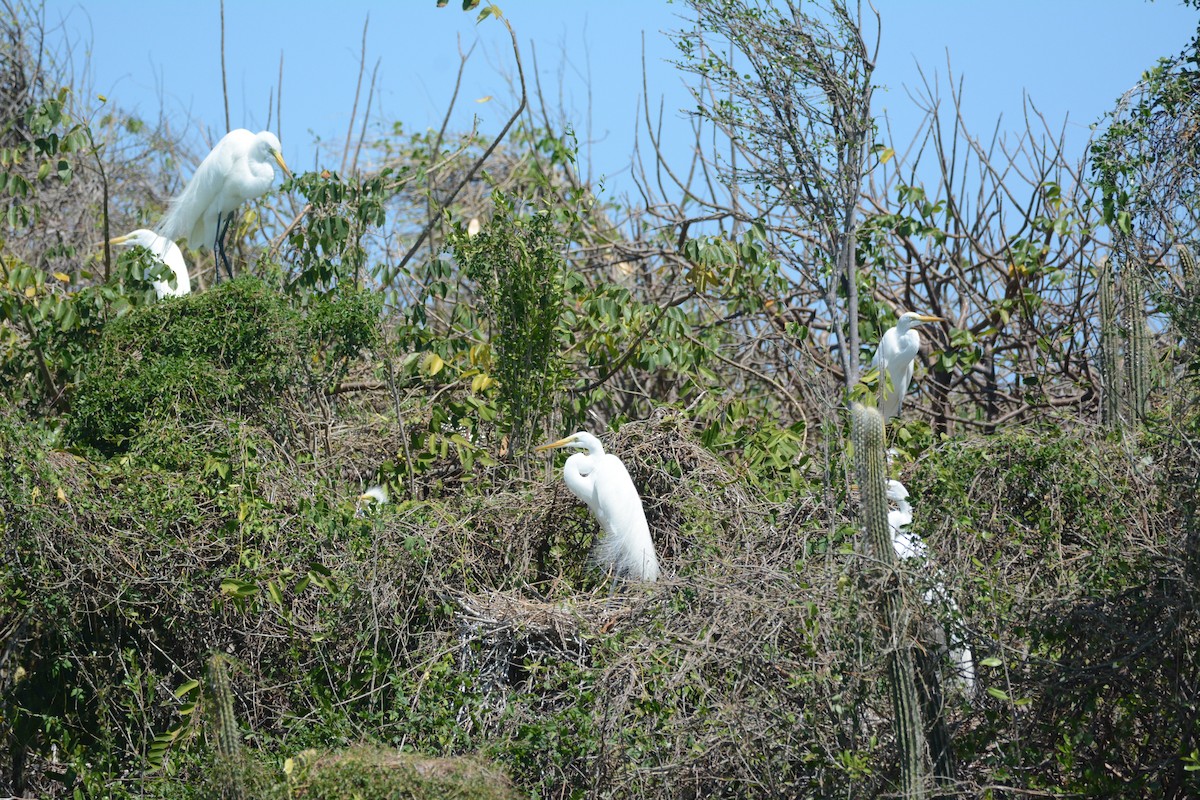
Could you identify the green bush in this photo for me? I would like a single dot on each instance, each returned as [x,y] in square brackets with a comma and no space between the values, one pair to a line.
[175,364]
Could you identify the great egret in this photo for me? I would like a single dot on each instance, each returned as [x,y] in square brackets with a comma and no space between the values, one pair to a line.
[376,494]
[601,481]
[909,545]
[167,252]
[238,169]
[906,543]
[894,360]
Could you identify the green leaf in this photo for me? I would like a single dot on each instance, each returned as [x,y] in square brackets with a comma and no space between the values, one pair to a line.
[187,687]
[237,588]
[991,661]
[159,747]
[998,693]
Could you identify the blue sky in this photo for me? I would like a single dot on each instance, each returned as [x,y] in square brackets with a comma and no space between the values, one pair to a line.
[1072,56]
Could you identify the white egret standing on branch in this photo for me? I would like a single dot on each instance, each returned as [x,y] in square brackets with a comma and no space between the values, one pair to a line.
[167,252]
[238,169]
[601,481]
[894,360]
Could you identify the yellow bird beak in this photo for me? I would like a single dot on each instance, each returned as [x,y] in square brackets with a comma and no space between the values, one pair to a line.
[929,318]
[117,240]
[552,445]
[279,159]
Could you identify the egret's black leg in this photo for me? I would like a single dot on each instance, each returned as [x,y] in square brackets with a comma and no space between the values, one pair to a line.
[223,224]
[218,249]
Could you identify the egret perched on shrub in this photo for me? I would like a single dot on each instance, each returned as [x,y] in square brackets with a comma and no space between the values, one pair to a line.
[167,252]
[601,481]
[238,169]
[906,543]
[894,360]
[910,546]
[376,494]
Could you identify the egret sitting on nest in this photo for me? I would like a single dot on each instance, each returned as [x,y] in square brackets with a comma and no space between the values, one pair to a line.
[376,494]
[240,168]
[601,481]
[167,252]
[894,360]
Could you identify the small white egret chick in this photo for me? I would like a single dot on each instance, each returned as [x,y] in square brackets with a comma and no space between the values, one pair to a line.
[894,360]
[167,252]
[601,481]
[375,496]
[240,168]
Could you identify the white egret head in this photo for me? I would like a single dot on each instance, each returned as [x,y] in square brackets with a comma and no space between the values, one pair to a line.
[581,440]
[269,144]
[911,319]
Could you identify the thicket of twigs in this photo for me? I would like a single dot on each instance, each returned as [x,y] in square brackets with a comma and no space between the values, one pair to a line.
[469,624]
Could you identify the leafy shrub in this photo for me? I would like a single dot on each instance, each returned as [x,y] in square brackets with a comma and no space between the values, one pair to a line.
[231,350]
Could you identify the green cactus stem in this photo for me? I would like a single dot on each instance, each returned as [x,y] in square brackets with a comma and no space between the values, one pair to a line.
[1111,384]
[229,740]
[872,479]
[1137,351]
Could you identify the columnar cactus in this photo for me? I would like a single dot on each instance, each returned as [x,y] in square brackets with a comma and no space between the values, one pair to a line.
[1137,351]
[1110,345]
[1191,278]
[229,741]
[872,478]
[1191,295]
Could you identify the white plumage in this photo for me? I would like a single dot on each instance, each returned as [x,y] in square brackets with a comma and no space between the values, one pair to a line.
[376,494]
[168,253]
[906,543]
[601,481]
[894,359]
[910,546]
[240,168]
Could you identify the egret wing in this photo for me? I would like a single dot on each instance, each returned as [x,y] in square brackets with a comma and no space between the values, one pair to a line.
[627,545]
[189,213]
